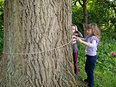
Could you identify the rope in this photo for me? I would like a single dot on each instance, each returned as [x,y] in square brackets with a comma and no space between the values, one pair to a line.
[42,51]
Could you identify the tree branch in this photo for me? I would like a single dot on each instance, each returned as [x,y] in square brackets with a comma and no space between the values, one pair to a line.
[75,2]
[80,3]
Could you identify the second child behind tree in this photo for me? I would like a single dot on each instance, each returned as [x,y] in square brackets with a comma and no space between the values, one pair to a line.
[75,48]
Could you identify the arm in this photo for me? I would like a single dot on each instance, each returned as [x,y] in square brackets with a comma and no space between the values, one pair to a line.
[73,36]
[85,43]
[80,35]
[93,44]
[80,38]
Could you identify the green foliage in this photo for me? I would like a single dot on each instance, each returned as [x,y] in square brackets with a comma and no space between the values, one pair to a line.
[1,25]
[77,17]
[105,70]
[99,11]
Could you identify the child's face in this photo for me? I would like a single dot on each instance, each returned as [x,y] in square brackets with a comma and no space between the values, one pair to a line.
[73,29]
[89,31]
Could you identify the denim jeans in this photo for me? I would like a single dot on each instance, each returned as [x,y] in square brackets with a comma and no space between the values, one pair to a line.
[89,69]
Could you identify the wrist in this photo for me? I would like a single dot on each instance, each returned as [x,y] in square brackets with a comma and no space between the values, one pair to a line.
[81,41]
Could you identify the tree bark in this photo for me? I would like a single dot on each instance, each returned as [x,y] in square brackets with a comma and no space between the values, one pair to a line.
[85,17]
[37,47]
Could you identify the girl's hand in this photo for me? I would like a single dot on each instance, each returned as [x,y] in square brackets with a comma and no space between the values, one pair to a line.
[73,36]
[79,39]
[83,42]
[76,28]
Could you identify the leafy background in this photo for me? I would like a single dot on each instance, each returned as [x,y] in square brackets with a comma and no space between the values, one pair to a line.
[1,25]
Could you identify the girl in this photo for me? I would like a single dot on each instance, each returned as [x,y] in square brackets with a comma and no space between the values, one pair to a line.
[75,48]
[91,42]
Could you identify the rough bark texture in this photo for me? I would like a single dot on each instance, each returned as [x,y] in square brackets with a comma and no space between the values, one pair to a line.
[32,29]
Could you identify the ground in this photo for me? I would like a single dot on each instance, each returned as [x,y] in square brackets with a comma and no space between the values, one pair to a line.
[81,83]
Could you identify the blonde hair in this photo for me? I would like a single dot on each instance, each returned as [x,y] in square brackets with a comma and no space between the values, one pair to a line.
[95,30]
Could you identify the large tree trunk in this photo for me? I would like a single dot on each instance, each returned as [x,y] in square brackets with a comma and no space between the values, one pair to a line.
[37,44]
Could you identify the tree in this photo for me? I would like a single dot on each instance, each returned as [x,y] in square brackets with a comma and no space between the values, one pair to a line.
[85,21]
[37,44]
[83,5]
[101,12]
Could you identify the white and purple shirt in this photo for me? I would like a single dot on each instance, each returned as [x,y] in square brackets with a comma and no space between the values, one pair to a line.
[91,50]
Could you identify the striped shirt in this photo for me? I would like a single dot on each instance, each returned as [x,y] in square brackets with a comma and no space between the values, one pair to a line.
[74,41]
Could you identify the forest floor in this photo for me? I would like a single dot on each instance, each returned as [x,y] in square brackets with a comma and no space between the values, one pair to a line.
[80,83]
